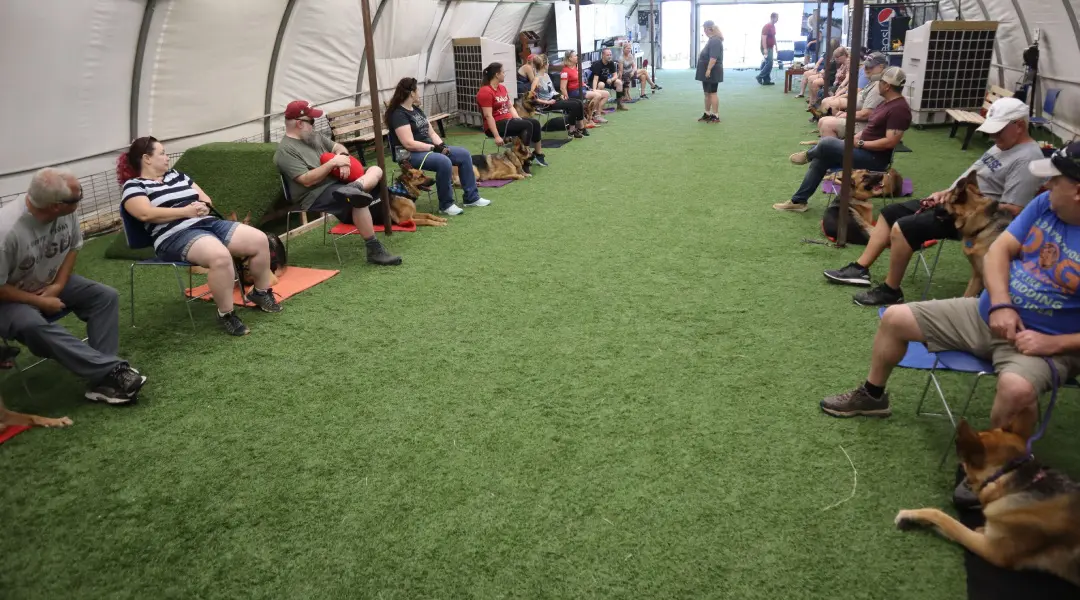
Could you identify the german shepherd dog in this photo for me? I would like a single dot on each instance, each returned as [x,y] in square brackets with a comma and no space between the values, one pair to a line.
[867,185]
[403,209]
[279,262]
[1032,513]
[511,163]
[9,418]
[979,220]
[526,105]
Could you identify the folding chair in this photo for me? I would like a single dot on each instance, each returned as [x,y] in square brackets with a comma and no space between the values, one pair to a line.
[137,238]
[1049,104]
[929,268]
[303,219]
[14,352]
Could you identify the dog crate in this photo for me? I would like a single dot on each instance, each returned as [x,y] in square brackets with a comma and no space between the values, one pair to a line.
[471,55]
[947,64]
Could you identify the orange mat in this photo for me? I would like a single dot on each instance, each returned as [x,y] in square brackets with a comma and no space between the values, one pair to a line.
[343,229]
[294,281]
[12,431]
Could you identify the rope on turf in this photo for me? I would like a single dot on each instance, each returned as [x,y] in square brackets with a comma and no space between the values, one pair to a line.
[854,485]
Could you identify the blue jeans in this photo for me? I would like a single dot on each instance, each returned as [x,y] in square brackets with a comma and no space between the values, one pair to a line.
[767,66]
[829,154]
[443,166]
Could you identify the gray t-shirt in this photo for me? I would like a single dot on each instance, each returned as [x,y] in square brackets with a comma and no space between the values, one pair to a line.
[294,158]
[713,49]
[1004,176]
[31,252]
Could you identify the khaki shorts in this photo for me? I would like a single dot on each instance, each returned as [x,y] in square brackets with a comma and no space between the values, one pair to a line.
[956,325]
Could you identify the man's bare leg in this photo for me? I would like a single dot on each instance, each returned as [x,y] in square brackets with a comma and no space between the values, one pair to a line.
[898,327]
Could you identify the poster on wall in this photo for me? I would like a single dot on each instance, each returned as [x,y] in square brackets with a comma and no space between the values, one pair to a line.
[887,27]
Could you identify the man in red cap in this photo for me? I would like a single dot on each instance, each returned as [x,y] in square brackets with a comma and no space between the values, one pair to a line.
[314,186]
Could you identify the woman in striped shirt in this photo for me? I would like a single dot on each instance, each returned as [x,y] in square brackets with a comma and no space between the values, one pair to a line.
[176,214]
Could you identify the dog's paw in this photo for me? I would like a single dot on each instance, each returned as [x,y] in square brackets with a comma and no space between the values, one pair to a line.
[47,422]
[906,520]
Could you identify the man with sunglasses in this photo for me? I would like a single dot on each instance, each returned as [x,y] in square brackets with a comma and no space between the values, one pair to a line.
[39,242]
[905,226]
[314,186]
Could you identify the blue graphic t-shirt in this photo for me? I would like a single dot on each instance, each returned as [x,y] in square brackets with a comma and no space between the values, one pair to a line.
[1044,278]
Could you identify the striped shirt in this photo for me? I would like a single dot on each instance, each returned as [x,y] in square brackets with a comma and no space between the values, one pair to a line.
[175,190]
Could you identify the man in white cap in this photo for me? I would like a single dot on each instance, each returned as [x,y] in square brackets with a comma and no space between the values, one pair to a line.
[1029,312]
[906,226]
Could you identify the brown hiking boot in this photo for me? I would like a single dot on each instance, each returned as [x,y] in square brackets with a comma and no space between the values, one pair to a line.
[855,403]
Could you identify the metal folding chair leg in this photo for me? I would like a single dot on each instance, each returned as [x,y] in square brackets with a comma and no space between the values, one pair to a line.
[928,268]
[18,370]
[183,294]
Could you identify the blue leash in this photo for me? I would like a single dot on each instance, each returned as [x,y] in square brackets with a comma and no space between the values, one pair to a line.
[1016,463]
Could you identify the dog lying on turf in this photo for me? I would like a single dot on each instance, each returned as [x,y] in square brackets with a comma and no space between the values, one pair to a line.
[1032,513]
[9,418]
[403,208]
[866,185]
[511,163]
[279,260]
[980,221]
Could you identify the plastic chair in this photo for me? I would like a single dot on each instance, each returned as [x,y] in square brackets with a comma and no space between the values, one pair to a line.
[6,343]
[137,238]
[1049,104]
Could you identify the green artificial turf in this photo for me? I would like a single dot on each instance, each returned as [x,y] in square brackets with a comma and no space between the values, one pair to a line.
[603,385]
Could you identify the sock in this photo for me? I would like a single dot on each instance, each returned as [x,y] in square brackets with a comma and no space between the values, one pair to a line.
[257,290]
[222,314]
[874,391]
[372,242]
[889,288]
[860,267]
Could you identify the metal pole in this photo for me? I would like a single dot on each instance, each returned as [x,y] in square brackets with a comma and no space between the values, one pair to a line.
[827,49]
[857,11]
[376,118]
[580,58]
[817,29]
[652,43]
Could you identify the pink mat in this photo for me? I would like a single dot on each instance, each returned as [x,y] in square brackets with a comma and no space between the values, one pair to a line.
[829,187]
[495,183]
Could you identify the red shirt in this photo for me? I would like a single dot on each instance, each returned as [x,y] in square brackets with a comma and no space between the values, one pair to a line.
[769,31]
[570,74]
[498,100]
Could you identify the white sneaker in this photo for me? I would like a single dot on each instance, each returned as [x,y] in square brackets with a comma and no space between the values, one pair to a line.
[479,202]
[453,211]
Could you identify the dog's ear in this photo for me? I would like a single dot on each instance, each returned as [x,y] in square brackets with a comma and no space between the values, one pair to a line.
[232,216]
[1022,424]
[968,445]
[247,219]
[897,183]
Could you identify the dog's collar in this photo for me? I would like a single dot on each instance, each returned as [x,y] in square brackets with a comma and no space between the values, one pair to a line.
[1009,467]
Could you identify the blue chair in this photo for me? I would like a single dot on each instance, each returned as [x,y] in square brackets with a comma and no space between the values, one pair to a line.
[1049,104]
[137,238]
[918,356]
[784,56]
[14,352]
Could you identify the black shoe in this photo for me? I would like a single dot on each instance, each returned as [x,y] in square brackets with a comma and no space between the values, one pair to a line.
[264,301]
[853,274]
[769,83]
[857,402]
[585,132]
[704,117]
[121,386]
[714,119]
[577,135]
[354,197]
[758,79]
[232,324]
[881,295]
[540,159]
[657,87]
[377,255]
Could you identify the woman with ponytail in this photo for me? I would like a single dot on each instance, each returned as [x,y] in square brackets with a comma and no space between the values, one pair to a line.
[410,130]
[175,212]
[500,118]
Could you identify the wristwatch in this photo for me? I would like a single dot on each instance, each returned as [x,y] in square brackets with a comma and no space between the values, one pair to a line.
[860,144]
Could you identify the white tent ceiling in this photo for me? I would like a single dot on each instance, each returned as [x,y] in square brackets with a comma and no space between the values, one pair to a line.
[204,71]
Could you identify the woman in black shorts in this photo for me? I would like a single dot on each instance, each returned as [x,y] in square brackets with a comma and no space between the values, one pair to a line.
[710,71]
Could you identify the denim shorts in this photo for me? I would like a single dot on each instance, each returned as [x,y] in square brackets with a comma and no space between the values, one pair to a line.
[176,246]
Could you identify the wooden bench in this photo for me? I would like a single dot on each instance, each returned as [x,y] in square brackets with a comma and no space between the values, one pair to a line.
[354,127]
[973,119]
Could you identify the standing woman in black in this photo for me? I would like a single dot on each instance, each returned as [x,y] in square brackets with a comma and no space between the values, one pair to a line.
[710,71]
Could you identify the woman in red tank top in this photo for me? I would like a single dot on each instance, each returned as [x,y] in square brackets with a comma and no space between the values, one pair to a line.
[571,88]
[500,118]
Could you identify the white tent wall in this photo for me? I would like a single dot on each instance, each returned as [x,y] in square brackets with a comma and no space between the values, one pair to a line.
[206,64]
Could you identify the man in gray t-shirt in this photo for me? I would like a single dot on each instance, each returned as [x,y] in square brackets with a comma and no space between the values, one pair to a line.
[907,226]
[332,186]
[39,242]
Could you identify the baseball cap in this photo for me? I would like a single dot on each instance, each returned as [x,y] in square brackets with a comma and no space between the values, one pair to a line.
[1066,161]
[301,108]
[875,59]
[894,76]
[1002,112]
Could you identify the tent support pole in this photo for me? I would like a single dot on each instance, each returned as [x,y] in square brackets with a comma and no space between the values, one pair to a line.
[376,116]
[857,14]
[273,68]
[136,71]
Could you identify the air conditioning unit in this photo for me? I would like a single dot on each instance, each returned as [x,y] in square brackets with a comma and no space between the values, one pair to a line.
[471,55]
[947,64]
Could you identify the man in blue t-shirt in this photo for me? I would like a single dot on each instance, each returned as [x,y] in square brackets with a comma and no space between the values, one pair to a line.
[1030,309]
